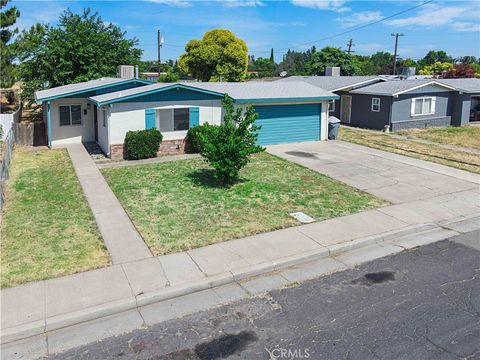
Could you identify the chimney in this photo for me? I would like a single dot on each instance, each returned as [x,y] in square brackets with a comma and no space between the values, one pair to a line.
[136,72]
[125,72]
[332,71]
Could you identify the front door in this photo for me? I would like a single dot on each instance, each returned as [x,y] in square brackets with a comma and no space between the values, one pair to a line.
[345,108]
[95,122]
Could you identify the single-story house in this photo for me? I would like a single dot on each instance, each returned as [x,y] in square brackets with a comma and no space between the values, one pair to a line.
[288,112]
[378,102]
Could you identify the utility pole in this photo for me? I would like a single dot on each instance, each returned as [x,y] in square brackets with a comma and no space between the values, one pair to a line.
[350,44]
[395,54]
[159,43]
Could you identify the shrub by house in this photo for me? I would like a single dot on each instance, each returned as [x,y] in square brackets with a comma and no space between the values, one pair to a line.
[142,144]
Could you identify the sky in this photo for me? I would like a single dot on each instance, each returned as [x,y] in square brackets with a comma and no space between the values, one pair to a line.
[453,26]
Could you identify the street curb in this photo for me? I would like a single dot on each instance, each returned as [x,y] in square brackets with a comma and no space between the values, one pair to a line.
[60,321]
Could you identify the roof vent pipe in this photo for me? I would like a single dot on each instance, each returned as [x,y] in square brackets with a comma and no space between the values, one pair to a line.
[136,72]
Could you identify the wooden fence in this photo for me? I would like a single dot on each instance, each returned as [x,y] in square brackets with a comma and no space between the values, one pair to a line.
[31,134]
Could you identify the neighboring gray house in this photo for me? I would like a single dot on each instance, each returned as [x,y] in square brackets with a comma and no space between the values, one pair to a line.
[378,102]
[466,101]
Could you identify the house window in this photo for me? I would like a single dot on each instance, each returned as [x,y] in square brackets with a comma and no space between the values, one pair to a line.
[331,105]
[423,106]
[376,104]
[173,119]
[70,115]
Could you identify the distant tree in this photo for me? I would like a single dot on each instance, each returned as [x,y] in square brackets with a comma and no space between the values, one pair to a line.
[461,71]
[82,47]
[219,55]
[272,58]
[265,67]
[331,56]
[437,68]
[170,77]
[382,62]
[407,63]
[467,60]
[435,56]
[7,20]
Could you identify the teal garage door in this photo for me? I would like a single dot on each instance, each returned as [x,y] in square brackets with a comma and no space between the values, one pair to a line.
[288,123]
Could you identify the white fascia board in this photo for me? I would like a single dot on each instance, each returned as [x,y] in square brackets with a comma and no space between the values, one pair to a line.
[423,85]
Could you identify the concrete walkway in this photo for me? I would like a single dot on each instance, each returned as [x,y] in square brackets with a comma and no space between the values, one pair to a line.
[123,241]
[430,202]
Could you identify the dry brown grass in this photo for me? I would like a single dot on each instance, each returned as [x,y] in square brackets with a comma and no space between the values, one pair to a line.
[378,140]
[465,136]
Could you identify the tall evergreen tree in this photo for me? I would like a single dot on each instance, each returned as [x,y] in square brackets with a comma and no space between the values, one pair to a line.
[7,19]
[272,59]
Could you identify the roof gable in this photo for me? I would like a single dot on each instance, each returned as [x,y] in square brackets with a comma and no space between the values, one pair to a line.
[88,88]
[398,87]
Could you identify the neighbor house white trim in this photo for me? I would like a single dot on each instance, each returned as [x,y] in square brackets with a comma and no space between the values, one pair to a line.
[423,98]
[375,103]
[422,85]
[357,84]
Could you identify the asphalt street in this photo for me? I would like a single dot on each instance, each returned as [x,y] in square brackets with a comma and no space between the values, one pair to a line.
[418,304]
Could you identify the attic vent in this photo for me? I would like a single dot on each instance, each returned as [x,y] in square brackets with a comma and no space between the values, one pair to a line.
[332,71]
[125,72]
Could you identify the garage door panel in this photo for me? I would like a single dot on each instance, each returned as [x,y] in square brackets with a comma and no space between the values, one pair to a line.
[288,123]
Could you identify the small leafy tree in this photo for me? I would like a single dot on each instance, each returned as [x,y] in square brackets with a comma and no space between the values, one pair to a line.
[227,148]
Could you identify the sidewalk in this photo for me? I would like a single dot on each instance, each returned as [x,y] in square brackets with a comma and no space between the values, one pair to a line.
[123,241]
[429,204]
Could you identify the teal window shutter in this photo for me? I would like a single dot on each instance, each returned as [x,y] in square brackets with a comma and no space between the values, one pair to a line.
[194,116]
[150,119]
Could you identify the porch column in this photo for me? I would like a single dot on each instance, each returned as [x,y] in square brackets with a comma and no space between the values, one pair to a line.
[49,125]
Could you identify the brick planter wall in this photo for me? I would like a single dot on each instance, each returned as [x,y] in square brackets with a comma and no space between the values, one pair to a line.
[167,147]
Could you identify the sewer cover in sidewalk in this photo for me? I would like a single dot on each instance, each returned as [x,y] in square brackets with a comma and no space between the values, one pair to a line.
[303,218]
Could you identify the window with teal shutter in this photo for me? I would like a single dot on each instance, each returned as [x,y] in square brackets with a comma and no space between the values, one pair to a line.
[150,118]
[194,116]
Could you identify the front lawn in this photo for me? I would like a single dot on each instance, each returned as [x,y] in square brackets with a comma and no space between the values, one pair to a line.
[48,229]
[179,205]
[441,155]
[465,136]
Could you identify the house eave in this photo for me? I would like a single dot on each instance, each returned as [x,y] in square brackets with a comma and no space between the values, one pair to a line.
[79,92]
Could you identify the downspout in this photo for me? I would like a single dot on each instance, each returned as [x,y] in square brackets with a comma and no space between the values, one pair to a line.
[49,125]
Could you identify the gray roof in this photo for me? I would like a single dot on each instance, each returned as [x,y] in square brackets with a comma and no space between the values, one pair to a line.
[70,89]
[333,83]
[393,87]
[240,91]
[470,85]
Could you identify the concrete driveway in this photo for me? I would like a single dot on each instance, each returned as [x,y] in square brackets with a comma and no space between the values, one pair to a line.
[395,178]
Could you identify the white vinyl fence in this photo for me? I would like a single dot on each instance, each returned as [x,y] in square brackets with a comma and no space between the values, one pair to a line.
[7,148]
[6,121]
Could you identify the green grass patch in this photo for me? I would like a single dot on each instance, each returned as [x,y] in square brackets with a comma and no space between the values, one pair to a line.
[465,136]
[437,154]
[48,229]
[179,205]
